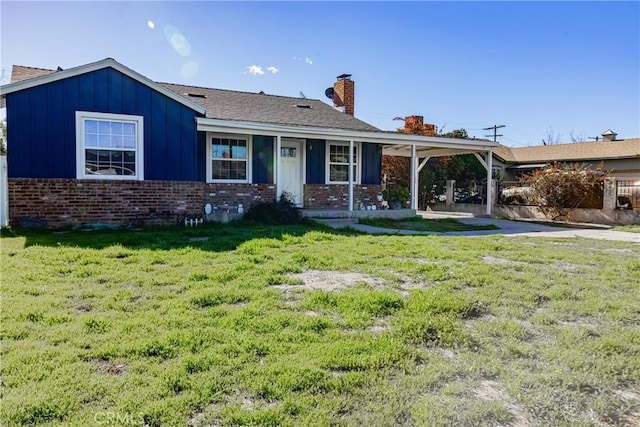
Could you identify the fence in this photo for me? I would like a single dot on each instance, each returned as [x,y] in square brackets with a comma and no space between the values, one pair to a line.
[515,193]
[628,195]
[601,209]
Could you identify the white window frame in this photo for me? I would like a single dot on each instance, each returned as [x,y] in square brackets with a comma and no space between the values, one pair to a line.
[81,117]
[357,147]
[209,157]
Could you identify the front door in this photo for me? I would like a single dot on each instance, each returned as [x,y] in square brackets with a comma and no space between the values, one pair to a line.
[291,175]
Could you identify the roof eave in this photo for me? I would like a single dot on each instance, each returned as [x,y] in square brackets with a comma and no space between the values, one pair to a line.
[94,66]
[229,126]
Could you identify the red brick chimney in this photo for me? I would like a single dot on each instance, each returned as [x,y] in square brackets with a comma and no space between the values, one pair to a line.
[344,93]
[415,124]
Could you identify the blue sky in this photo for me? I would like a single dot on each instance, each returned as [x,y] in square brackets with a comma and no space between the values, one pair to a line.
[536,67]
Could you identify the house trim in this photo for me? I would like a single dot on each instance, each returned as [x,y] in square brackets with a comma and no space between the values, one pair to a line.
[399,141]
[356,179]
[209,159]
[94,66]
[81,146]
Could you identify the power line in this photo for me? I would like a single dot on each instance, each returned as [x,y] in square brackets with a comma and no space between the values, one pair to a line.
[495,131]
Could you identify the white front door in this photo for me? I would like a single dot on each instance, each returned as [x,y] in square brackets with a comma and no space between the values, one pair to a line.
[291,175]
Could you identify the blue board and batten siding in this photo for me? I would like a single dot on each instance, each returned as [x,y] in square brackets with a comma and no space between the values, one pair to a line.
[263,159]
[371,167]
[371,164]
[42,126]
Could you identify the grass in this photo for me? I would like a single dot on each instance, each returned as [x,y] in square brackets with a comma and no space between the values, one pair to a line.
[223,325]
[633,228]
[419,224]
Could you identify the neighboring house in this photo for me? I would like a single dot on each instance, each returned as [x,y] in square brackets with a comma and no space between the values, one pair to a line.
[101,143]
[621,157]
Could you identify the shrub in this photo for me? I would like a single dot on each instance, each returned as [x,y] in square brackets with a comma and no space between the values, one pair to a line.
[282,212]
[558,190]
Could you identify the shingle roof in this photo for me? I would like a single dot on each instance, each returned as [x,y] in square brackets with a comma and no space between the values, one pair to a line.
[20,72]
[244,106]
[578,151]
[262,108]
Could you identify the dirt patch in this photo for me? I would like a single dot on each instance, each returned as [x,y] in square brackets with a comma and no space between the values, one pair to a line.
[105,367]
[489,390]
[501,261]
[379,327]
[336,281]
[328,281]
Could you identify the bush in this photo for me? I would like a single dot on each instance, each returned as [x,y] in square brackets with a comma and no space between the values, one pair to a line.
[558,190]
[282,212]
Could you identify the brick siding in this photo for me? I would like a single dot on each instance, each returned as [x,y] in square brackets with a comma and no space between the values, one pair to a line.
[336,196]
[69,202]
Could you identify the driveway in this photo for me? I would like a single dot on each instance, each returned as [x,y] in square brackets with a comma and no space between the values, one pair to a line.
[506,227]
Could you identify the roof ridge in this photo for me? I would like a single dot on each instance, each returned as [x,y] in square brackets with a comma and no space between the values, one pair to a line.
[239,91]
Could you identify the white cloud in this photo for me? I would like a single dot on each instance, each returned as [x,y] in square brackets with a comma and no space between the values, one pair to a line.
[255,70]
[151,24]
[273,70]
[306,59]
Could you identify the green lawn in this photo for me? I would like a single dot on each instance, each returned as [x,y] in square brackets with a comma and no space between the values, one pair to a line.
[239,325]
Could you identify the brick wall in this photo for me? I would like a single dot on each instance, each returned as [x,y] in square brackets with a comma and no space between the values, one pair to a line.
[321,196]
[65,202]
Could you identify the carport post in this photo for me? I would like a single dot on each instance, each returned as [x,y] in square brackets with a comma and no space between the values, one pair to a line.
[277,164]
[351,177]
[414,178]
[489,178]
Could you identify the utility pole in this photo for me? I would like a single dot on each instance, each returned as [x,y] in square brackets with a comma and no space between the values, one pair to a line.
[495,131]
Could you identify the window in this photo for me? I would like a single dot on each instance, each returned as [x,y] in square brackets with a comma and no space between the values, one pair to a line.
[229,159]
[109,146]
[339,163]
[288,152]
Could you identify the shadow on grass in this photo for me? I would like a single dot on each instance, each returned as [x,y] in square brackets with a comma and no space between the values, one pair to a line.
[212,237]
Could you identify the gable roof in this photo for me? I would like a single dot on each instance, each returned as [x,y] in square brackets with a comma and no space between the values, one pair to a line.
[37,76]
[227,104]
[577,151]
[262,108]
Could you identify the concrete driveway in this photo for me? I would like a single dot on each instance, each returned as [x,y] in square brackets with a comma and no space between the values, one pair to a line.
[506,227]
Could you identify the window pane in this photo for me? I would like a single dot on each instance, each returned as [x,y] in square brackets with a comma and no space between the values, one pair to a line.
[129,142]
[239,152]
[288,152]
[116,128]
[339,173]
[104,127]
[91,140]
[104,141]
[226,169]
[90,126]
[129,129]
[116,141]
[219,169]
[116,156]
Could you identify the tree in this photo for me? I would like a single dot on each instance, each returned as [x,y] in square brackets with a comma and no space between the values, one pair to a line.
[560,189]
[3,137]
[551,137]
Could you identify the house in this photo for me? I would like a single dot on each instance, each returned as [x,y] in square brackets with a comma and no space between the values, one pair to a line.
[620,156]
[101,143]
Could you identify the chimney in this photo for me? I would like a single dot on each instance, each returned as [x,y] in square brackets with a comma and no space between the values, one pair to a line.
[609,135]
[344,94]
[415,124]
